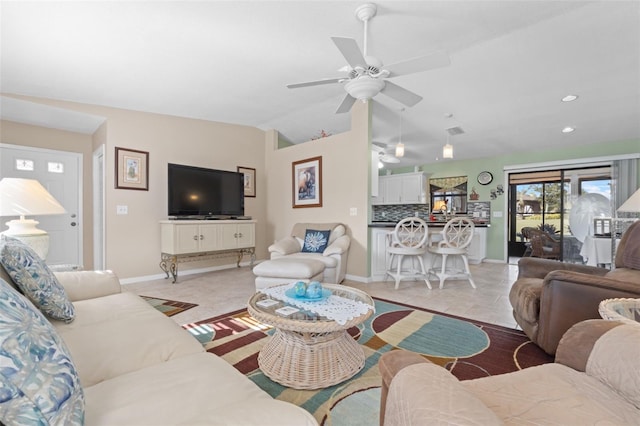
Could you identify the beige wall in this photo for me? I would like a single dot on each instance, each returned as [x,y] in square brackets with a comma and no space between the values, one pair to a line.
[345,182]
[40,137]
[132,241]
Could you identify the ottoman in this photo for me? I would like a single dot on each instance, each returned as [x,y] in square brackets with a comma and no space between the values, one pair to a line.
[282,270]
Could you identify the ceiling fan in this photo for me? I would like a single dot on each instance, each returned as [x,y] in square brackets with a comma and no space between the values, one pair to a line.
[366,74]
[383,155]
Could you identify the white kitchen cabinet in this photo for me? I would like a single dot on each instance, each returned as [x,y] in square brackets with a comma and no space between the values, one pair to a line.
[477,250]
[405,188]
[413,189]
[379,252]
[393,189]
[379,199]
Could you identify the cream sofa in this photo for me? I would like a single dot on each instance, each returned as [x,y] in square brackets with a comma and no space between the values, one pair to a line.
[138,367]
[595,379]
[334,257]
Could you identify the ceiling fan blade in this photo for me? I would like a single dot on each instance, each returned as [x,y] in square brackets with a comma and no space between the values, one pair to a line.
[389,159]
[350,50]
[316,83]
[346,104]
[400,94]
[422,63]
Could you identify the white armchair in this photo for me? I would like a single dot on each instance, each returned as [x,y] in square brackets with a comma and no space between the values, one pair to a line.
[334,255]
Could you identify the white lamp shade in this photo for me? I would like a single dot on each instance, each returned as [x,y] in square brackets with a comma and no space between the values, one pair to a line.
[632,204]
[400,149]
[21,197]
[447,151]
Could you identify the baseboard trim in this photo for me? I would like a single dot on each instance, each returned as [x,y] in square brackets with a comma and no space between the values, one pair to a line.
[132,280]
[357,278]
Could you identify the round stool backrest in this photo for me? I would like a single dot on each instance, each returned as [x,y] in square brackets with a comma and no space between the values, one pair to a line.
[458,233]
[410,232]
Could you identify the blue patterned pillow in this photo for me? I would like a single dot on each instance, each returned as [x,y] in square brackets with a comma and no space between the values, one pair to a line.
[34,278]
[39,383]
[315,241]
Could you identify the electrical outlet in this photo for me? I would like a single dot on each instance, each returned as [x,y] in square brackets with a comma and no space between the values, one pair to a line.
[122,209]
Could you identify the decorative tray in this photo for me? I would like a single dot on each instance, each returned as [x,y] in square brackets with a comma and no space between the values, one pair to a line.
[292,294]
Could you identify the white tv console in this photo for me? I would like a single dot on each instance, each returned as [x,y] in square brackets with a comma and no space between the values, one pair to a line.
[191,240]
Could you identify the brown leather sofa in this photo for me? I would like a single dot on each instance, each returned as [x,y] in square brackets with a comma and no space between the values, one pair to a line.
[594,380]
[549,296]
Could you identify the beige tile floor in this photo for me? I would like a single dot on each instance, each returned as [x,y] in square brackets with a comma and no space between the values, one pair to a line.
[224,291]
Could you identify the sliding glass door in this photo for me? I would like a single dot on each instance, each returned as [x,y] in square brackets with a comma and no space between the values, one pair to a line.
[542,200]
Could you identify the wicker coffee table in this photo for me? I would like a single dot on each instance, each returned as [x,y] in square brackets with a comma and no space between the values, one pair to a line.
[307,350]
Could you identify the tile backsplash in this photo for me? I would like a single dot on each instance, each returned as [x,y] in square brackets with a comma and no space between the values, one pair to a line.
[396,212]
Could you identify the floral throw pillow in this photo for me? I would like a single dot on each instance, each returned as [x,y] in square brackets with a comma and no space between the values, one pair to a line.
[315,241]
[39,383]
[34,278]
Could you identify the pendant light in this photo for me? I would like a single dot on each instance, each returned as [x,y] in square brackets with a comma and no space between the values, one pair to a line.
[400,145]
[447,149]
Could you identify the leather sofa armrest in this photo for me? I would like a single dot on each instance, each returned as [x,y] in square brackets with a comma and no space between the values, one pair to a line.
[285,246]
[339,246]
[426,393]
[82,285]
[534,267]
[576,344]
[568,298]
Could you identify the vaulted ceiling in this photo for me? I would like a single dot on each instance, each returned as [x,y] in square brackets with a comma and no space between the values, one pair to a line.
[511,64]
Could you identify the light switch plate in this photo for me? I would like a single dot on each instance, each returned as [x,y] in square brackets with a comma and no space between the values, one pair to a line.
[497,214]
[122,209]
[353,211]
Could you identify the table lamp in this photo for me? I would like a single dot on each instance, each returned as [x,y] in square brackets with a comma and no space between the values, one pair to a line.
[632,204]
[22,197]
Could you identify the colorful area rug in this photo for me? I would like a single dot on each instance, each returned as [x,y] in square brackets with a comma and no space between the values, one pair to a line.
[469,349]
[168,307]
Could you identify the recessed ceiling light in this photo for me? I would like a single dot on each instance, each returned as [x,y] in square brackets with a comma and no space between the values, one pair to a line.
[568,129]
[569,98]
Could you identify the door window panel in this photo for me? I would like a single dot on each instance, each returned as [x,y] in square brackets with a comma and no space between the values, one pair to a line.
[24,165]
[55,167]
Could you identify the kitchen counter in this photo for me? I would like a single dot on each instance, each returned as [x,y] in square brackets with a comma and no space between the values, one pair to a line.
[379,236]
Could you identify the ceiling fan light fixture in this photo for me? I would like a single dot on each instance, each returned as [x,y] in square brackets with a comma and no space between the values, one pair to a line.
[400,149]
[364,87]
[447,151]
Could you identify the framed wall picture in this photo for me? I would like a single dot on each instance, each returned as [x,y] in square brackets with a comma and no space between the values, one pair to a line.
[249,180]
[307,182]
[132,169]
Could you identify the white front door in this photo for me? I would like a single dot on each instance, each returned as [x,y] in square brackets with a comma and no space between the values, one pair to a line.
[60,173]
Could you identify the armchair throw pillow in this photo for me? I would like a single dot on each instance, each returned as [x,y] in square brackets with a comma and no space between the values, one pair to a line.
[315,241]
[34,279]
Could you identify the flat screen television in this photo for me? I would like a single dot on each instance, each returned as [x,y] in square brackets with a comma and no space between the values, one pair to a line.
[199,193]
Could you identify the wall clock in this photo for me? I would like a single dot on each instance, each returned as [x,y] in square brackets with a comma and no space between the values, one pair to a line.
[485,178]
